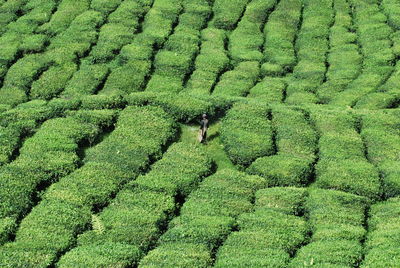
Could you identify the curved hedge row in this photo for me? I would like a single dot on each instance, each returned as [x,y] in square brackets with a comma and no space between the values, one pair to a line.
[51,227]
[296,143]
[269,235]
[206,219]
[44,158]
[342,161]
[246,133]
[336,220]
[135,218]
[382,244]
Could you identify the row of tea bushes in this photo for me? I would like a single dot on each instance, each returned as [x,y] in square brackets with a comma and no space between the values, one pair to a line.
[134,63]
[10,11]
[336,220]
[381,134]
[175,60]
[246,132]
[312,46]
[44,158]
[296,144]
[206,219]
[382,243]
[134,220]
[58,60]
[280,33]
[227,13]
[246,39]
[374,38]
[270,90]
[342,161]
[65,210]
[268,236]
[210,63]
[344,58]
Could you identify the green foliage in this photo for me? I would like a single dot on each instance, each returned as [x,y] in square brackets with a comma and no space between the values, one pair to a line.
[280,33]
[106,255]
[179,255]
[382,242]
[239,81]
[247,133]
[268,235]
[336,219]
[52,81]
[227,13]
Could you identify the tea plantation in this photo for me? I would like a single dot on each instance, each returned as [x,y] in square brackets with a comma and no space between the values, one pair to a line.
[100,103]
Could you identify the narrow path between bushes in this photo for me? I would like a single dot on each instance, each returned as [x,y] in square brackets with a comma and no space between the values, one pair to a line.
[214,146]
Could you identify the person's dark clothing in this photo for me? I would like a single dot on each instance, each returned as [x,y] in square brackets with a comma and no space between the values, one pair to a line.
[203,128]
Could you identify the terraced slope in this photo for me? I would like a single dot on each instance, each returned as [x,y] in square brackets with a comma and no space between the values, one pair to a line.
[99,107]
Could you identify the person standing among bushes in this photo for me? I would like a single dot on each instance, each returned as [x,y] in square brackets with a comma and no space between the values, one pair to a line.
[203,129]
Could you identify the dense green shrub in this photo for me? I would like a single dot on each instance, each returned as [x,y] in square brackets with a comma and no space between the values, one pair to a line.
[136,214]
[280,32]
[268,235]
[211,61]
[182,107]
[239,81]
[206,226]
[52,81]
[246,133]
[296,145]
[246,40]
[344,56]
[179,255]
[66,12]
[43,159]
[227,13]
[378,55]
[311,46]
[382,240]
[106,167]
[336,220]
[343,164]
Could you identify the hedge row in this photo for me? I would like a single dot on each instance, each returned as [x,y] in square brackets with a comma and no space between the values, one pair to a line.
[239,81]
[22,121]
[210,63]
[246,133]
[280,32]
[19,36]
[296,143]
[311,46]
[227,13]
[381,134]
[62,54]
[136,216]
[135,59]
[344,58]
[120,29]
[342,161]
[246,40]
[65,209]
[374,38]
[9,11]
[388,95]
[382,245]
[336,220]
[66,12]
[269,235]
[175,61]
[122,22]
[182,107]
[270,90]
[44,158]
[206,219]
[391,9]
